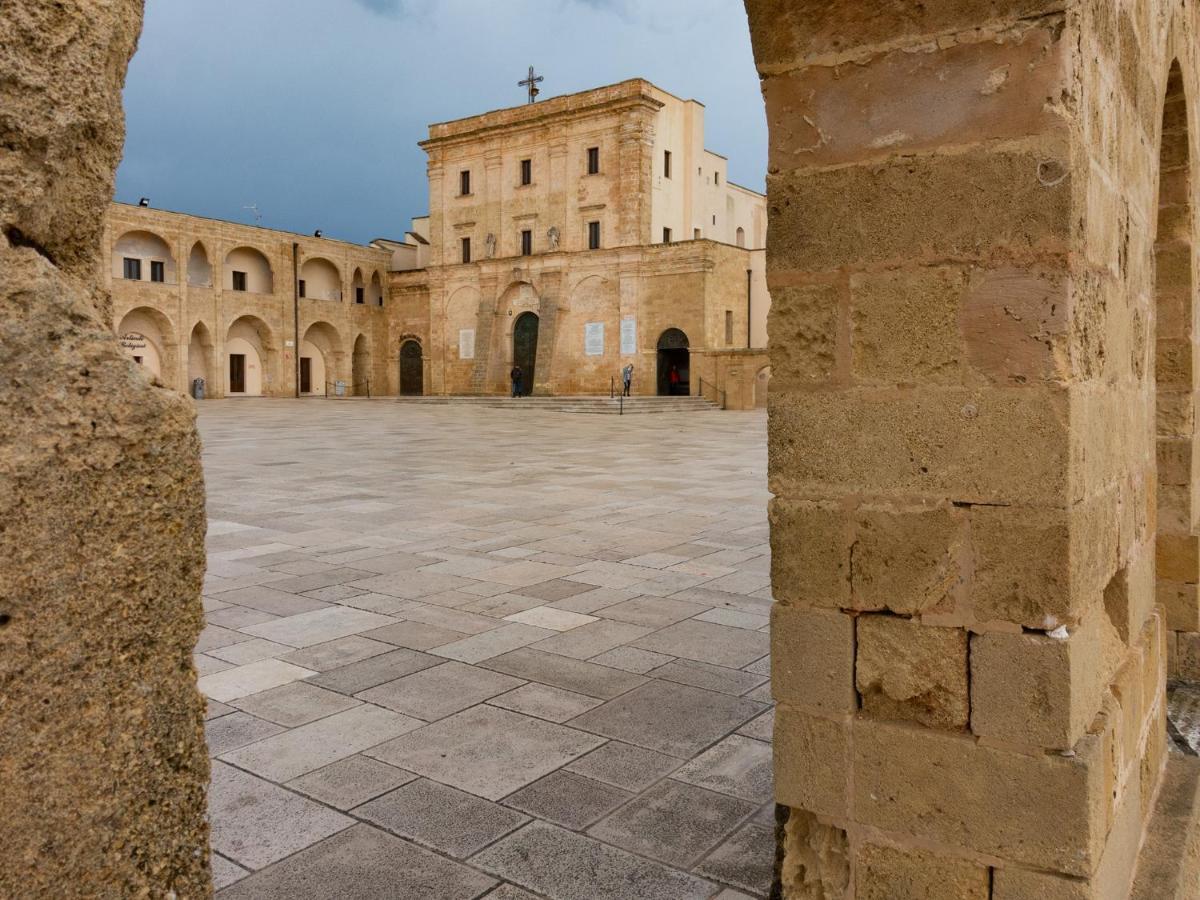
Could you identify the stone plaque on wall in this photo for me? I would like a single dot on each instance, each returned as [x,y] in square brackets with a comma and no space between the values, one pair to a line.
[466,343]
[628,336]
[593,338]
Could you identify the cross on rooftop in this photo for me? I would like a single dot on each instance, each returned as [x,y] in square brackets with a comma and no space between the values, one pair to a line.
[531,83]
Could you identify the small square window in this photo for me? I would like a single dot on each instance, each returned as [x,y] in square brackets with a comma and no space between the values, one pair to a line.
[593,165]
[527,171]
[239,282]
[464,183]
[466,249]
[360,295]
[158,271]
[593,235]
[666,235]
[666,163]
[132,269]
[526,242]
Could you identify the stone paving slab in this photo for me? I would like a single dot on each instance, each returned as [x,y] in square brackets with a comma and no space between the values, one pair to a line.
[451,622]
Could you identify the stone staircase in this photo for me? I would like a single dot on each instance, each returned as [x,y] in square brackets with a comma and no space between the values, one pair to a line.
[577,404]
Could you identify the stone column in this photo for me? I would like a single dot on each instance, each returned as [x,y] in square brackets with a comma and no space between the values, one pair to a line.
[966,654]
[102,757]
[631,221]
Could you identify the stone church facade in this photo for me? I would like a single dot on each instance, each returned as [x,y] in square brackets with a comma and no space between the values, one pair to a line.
[571,237]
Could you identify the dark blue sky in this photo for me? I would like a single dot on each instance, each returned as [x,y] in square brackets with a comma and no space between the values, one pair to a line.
[312,109]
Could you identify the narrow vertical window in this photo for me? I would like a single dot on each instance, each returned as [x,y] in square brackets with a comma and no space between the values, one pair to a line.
[593,235]
[527,171]
[133,269]
[526,242]
[239,282]
[728,326]
[666,235]
[716,177]
[158,271]
[666,163]
[303,285]
[464,182]
[466,249]
[593,167]
[359,295]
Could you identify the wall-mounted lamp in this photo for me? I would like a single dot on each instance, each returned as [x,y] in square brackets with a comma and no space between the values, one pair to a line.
[144,202]
[317,233]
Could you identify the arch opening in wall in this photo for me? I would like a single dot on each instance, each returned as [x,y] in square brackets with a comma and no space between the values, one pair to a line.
[1175,359]
[319,360]
[148,338]
[360,368]
[673,364]
[741,236]
[249,357]
[320,279]
[358,288]
[199,269]
[248,270]
[143,256]
[412,369]
[524,352]
[201,358]
[375,292]
[762,384]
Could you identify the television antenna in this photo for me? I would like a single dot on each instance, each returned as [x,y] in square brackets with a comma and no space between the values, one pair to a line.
[253,207]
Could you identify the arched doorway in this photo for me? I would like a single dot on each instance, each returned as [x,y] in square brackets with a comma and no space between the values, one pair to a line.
[248,347]
[412,376]
[673,358]
[148,337]
[360,368]
[319,360]
[525,338]
[200,358]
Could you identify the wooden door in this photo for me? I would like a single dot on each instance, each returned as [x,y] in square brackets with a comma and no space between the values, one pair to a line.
[237,373]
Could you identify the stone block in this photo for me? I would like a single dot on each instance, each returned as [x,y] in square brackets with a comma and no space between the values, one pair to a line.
[906,559]
[1023,884]
[910,671]
[812,659]
[816,858]
[1040,567]
[914,210]
[1187,656]
[938,441]
[804,319]
[1014,325]
[904,326]
[812,762]
[810,553]
[1180,604]
[1037,690]
[1044,811]
[1178,557]
[887,873]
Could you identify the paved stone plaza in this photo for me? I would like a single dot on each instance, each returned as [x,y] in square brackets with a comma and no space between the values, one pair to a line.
[458,653]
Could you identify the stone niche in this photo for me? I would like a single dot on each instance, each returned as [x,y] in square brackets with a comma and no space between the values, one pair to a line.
[981,438]
[102,758]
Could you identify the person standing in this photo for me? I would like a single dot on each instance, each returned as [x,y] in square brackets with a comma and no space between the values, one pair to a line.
[515,375]
[627,377]
[673,377]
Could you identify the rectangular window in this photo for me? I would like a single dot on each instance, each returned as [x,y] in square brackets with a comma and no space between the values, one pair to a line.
[526,242]
[239,282]
[666,235]
[303,287]
[593,161]
[464,183]
[466,250]
[527,171]
[714,220]
[716,177]
[133,269]
[728,326]
[695,234]
[360,295]
[158,271]
[666,163]
[593,235]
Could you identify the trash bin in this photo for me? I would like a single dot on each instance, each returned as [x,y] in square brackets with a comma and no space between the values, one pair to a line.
[198,388]
[339,389]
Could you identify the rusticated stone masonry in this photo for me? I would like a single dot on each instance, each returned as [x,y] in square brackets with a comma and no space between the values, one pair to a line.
[972,469]
[102,758]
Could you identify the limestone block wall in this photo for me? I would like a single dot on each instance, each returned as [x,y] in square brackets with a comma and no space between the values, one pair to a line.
[968,654]
[102,759]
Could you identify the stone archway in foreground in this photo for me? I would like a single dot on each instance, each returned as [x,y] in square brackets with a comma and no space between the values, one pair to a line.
[967,654]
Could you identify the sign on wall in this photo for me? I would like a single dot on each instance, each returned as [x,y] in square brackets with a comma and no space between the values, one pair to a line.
[628,335]
[133,340]
[466,343]
[593,338]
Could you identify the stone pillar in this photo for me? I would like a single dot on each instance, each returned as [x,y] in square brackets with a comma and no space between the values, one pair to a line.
[551,283]
[967,658]
[102,757]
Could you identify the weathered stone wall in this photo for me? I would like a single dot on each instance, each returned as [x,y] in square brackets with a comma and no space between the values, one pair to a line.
[967,653]
[102,757]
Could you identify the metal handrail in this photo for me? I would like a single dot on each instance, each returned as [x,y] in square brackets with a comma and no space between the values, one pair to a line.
[349,384]
[716,390]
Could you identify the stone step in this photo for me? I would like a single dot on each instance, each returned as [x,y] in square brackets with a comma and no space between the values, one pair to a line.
[573,404]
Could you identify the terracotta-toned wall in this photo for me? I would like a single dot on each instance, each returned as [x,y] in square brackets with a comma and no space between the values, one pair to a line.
[967,655]
[102,759]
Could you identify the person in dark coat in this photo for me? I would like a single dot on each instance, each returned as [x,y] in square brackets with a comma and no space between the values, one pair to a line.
[515,375]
